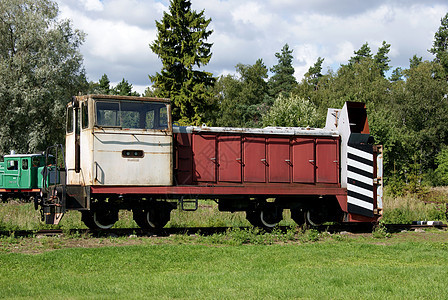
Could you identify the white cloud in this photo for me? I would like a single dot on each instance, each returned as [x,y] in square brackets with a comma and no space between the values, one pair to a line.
[95,5]
[119,31]
[252,13]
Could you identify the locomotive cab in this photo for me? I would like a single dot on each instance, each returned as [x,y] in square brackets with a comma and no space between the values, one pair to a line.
[21,175]
[113,140]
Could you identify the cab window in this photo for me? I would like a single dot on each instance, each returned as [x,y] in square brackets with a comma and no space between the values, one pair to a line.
[24,164]
[85,115]
[69,119]
[132,114]
[36,161]
[108,114]
[13,165]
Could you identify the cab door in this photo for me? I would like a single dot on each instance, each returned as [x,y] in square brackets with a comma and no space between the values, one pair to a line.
[11,176]
[25,173]
[72,144]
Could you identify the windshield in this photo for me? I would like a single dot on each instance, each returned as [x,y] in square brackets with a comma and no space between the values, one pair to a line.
[131,114]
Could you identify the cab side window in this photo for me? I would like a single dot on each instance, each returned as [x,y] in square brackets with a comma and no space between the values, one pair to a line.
[69,119]
[84,115]
[25,164]
[13,165]
[36,161]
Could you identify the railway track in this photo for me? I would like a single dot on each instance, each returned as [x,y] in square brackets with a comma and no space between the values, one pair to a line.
[117,232]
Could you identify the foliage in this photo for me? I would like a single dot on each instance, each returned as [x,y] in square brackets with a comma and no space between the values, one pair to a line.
[380,231]
[314,73]
[397,75]
[442,166]
[381,58]
[363,53]
[283,80]
[123,88]
[415,61]
[40,69]
[291,111]
[104,85]
[181,45]
[406,208]
[242,99]
[440,44]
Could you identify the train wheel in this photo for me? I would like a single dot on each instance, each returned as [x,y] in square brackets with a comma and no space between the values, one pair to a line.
[266,217]
[298,216]
[252,217]
[152,218]
[96,220]
[315,217]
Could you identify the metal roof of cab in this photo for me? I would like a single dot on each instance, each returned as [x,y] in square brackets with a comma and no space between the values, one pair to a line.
[117,97]
[22,155]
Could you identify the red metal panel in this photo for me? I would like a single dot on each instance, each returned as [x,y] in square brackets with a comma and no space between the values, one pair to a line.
[184,158]
[229,158]
[279,162]
[304,160]
[327,161]
[204,157]
[254,159]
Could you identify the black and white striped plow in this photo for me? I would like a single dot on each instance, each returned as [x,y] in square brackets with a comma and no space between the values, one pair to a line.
[360,173]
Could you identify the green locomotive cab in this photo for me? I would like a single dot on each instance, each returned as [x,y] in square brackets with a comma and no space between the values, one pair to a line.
[21,175]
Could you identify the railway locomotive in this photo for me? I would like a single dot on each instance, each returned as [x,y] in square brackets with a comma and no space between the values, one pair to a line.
[21,176]
[125,153]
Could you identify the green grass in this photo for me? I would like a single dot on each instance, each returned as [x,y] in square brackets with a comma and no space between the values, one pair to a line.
[412,207]
[352,269]
[240,263]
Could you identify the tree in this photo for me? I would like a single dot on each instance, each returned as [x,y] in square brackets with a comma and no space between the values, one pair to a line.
[104,85]
[362,53]
[242,99]
[315,73]
[291,111]
[423,111]
[415,61]
[40,69]
[397,75]
[283,80]
[440,44]
[442,166]
[381,58]
[181,45]
[124,88]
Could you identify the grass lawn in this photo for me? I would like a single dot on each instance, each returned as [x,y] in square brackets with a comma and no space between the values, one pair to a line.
[405,266]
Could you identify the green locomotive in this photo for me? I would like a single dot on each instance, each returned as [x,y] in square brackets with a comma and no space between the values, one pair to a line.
[21,176]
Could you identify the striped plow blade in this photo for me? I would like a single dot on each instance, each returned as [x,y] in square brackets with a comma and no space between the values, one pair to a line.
[360,179]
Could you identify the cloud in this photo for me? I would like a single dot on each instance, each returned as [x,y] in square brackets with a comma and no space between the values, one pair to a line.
[93,5]
[119,32]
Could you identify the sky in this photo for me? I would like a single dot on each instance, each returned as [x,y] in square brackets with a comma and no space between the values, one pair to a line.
[118,33]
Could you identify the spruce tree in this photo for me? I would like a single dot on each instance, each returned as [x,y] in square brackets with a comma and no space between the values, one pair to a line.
[381,58]
[363,53]
[315,73]
[104,85]
[415,61]
[283,80]
[440,44]
[124,88]
[181,45]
